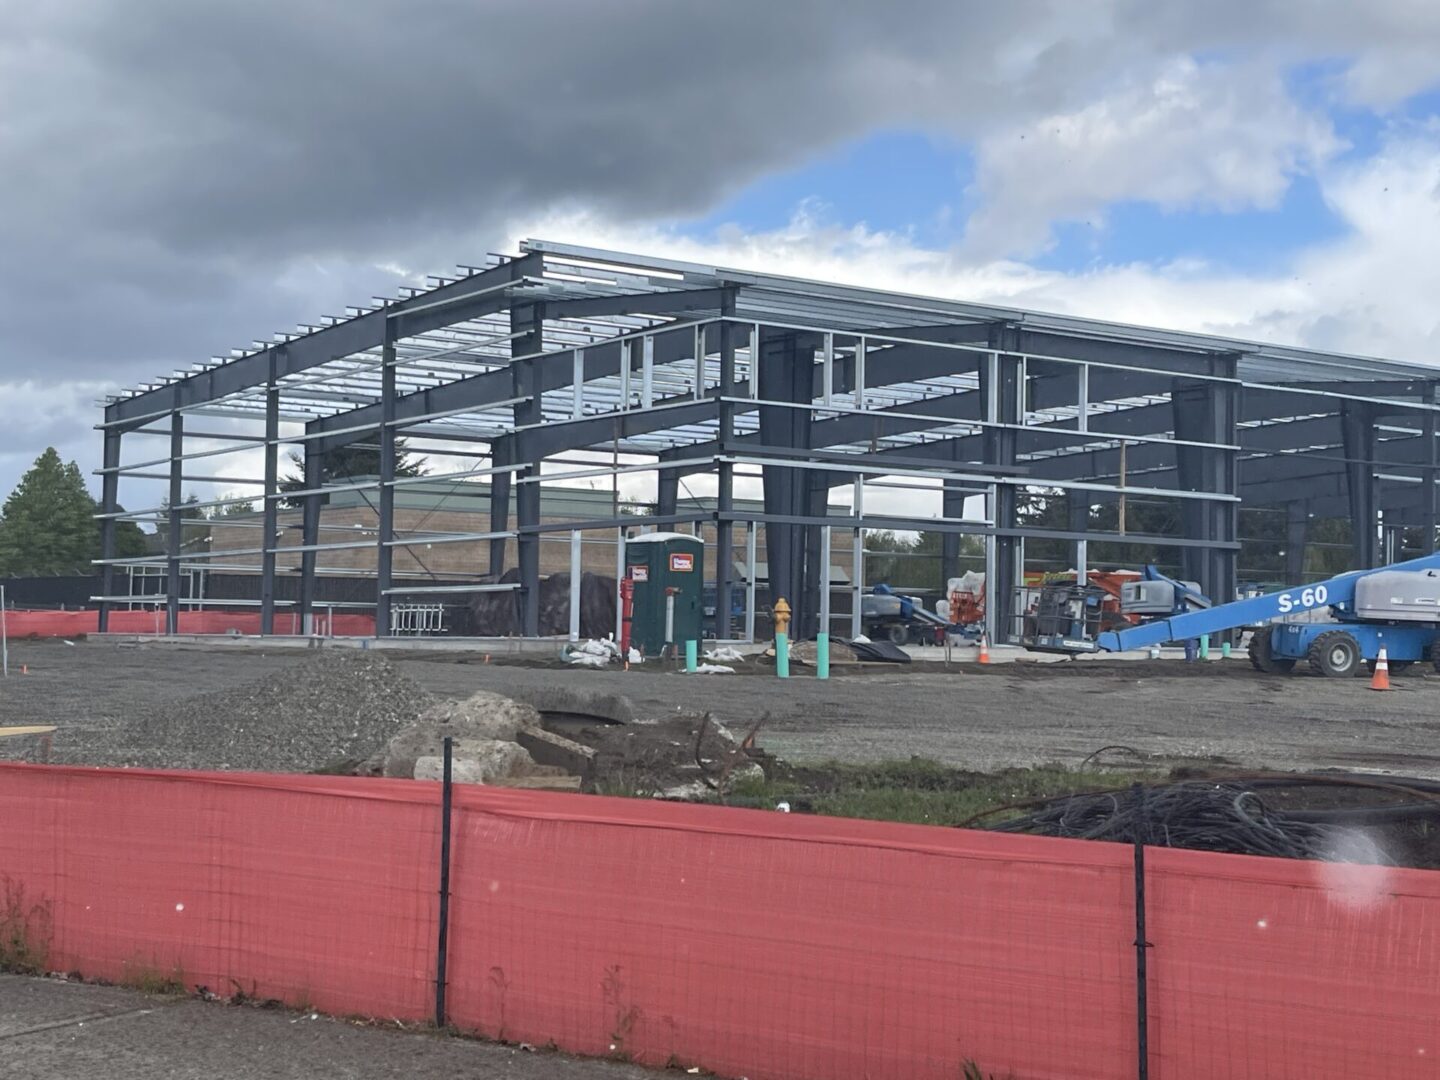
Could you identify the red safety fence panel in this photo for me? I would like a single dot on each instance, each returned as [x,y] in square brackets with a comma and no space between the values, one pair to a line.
[772,946]
[1273,969]
[70,624]
[779,946]
[756,944]
[277,887]
[28,624]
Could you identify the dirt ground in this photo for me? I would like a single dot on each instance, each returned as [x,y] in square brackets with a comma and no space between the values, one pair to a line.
[1015,714]
[51,1030]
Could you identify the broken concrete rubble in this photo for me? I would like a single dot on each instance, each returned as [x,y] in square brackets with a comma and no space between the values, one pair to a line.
[475,761]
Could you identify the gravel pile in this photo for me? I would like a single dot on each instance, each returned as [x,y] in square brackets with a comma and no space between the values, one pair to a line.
[339,705]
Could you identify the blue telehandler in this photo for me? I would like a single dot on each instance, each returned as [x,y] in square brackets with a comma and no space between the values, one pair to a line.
[1396,608]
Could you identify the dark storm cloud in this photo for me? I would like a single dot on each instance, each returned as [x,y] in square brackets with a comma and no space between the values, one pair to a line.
[177,178]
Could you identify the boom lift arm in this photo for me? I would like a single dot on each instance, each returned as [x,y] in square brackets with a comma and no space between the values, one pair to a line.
[1337,593]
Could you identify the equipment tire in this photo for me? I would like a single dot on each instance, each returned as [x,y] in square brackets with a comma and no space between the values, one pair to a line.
[1396,666]
[1261,659]
[897,633]
[1335,654]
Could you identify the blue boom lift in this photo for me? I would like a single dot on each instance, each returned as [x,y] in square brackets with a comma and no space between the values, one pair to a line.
[1397,608]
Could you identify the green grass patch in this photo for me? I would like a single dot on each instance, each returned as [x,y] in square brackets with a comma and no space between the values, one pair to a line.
[919,791]
[26,929]
[149,980]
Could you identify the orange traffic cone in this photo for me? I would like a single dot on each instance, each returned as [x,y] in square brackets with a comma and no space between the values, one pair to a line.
[1381,679]
[984,648]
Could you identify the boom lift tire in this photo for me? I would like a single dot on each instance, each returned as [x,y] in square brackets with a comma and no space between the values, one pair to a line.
[897,633]
[1335,654]
[1396,666]
[1261,659]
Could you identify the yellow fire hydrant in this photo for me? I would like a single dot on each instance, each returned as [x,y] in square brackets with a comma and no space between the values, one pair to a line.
[781,613]
[782,616]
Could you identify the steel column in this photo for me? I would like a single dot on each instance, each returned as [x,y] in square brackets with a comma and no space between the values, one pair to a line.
[1078,510]
[725,481]
[1430,507]
[785,374]
[384,552]
[310,535]
[174,540]
[502,452]
[1206,412]
[109,505]
[952,505]
[271,504]
[1001,387]
[1297,531]
[667,491]
[1357,427]
[527,321]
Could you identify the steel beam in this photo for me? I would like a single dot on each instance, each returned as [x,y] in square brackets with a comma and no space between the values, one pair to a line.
[467,298]
[645,303]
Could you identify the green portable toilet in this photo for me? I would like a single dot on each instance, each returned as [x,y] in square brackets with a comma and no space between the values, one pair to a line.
[657,563]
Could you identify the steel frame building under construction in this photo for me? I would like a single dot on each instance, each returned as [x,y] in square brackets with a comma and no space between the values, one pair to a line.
[565,364]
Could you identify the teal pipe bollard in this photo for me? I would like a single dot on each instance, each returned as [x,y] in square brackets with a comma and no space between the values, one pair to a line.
[822,656]
[1225,650]
[690,656]
[782,655]
[1204,646]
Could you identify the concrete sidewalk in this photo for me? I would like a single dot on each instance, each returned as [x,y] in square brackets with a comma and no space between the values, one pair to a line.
[52,1030]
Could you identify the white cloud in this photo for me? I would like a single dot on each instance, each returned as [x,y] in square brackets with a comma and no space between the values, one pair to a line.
[1369,292]
[1195,135]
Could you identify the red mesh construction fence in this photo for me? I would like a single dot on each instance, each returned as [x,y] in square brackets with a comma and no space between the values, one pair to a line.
[754,944]
[70,624]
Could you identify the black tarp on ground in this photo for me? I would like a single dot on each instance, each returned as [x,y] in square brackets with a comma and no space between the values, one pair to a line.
[497,614]
[882,651]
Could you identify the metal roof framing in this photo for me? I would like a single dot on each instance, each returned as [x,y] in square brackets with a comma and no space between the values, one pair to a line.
[560,349]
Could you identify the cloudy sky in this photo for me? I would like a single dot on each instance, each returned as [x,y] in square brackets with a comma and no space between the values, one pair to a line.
[179,178]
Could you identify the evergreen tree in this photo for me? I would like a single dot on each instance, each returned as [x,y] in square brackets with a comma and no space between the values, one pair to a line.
[194,529]
[48,523]
[347,463]
[129,540]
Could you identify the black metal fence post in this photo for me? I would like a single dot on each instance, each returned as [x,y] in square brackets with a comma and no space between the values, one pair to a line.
[442,944]
[1142,1008]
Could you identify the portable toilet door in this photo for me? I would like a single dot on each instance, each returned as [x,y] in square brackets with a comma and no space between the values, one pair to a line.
[668,572]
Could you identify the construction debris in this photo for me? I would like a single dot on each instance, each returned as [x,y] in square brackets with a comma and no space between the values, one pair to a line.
[335,705]
[679,757]
[483,729]
[595,652]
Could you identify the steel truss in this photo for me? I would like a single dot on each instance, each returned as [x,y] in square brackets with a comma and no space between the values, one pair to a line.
[565,363]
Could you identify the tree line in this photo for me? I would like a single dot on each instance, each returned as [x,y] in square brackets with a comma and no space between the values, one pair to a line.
[49,528]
